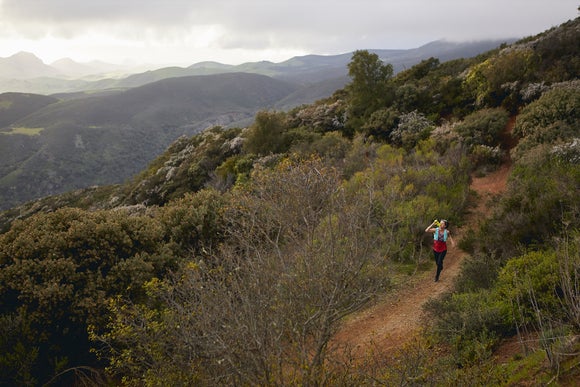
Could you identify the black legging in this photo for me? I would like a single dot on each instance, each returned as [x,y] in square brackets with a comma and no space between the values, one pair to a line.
[439,261]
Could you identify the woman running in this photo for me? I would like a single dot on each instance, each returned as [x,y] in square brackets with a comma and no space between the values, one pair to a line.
[440,236]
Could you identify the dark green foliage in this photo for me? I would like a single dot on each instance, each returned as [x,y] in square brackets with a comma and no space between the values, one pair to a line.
[478,272]
[482,132]
[421,70]
[538,195]
[381,124]
[559,52]
[19,350]
[434,89]
[471,323]
[483,127]
[194,223]
[553,118]
[267,134]
[415,86]
[332,146]
[371,86]
[57,271]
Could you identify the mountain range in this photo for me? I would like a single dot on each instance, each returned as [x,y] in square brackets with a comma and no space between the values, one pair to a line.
[95,132]
[26,73]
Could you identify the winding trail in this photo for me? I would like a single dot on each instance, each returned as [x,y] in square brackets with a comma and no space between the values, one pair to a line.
[397,317]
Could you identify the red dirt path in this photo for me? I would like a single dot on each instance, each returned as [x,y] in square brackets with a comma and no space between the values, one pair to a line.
[386,325]
[396,318]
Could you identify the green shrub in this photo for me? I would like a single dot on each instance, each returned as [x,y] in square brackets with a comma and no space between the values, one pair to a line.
[531,284]
[478,272]
[193,223]
[483,127]
[412,128]
[552,118]
[381,123]
[234,169]
[471,322]
[485,155]
[267,134]
[56,271]
[541,188]
[487,80]
[331,145]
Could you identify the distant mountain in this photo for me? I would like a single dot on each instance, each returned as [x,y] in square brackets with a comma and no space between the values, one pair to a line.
[24,65]
[311,93]
[107,138]
[306,70]
[316,68]
[95,69]
[441,49]
[72,68]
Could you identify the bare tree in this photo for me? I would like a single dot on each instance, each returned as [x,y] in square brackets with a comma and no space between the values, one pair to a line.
[299,257]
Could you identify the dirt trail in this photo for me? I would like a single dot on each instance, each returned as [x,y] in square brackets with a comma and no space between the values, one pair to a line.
[385,326]
[397,317]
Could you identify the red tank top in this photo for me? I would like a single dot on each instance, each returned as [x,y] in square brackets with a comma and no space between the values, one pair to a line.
[439,243]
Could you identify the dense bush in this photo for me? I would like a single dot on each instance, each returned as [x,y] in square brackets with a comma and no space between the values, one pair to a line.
[540,192]
[332,146]
[471,322]
[434,89]
[478,272]
[193,223]
[56,272]
[559,53]
[412,128]
[381,124]
[531,285]
[267,134]
[553,118]
[495,81]
[483,127]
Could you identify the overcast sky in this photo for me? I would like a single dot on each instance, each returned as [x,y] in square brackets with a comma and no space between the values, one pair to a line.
[183,32]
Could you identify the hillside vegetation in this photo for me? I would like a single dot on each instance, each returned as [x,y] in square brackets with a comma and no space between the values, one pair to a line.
[235,256]
[105,131]
[106,138]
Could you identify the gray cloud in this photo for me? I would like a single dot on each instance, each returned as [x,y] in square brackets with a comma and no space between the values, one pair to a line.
[75,11]
[321,26]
